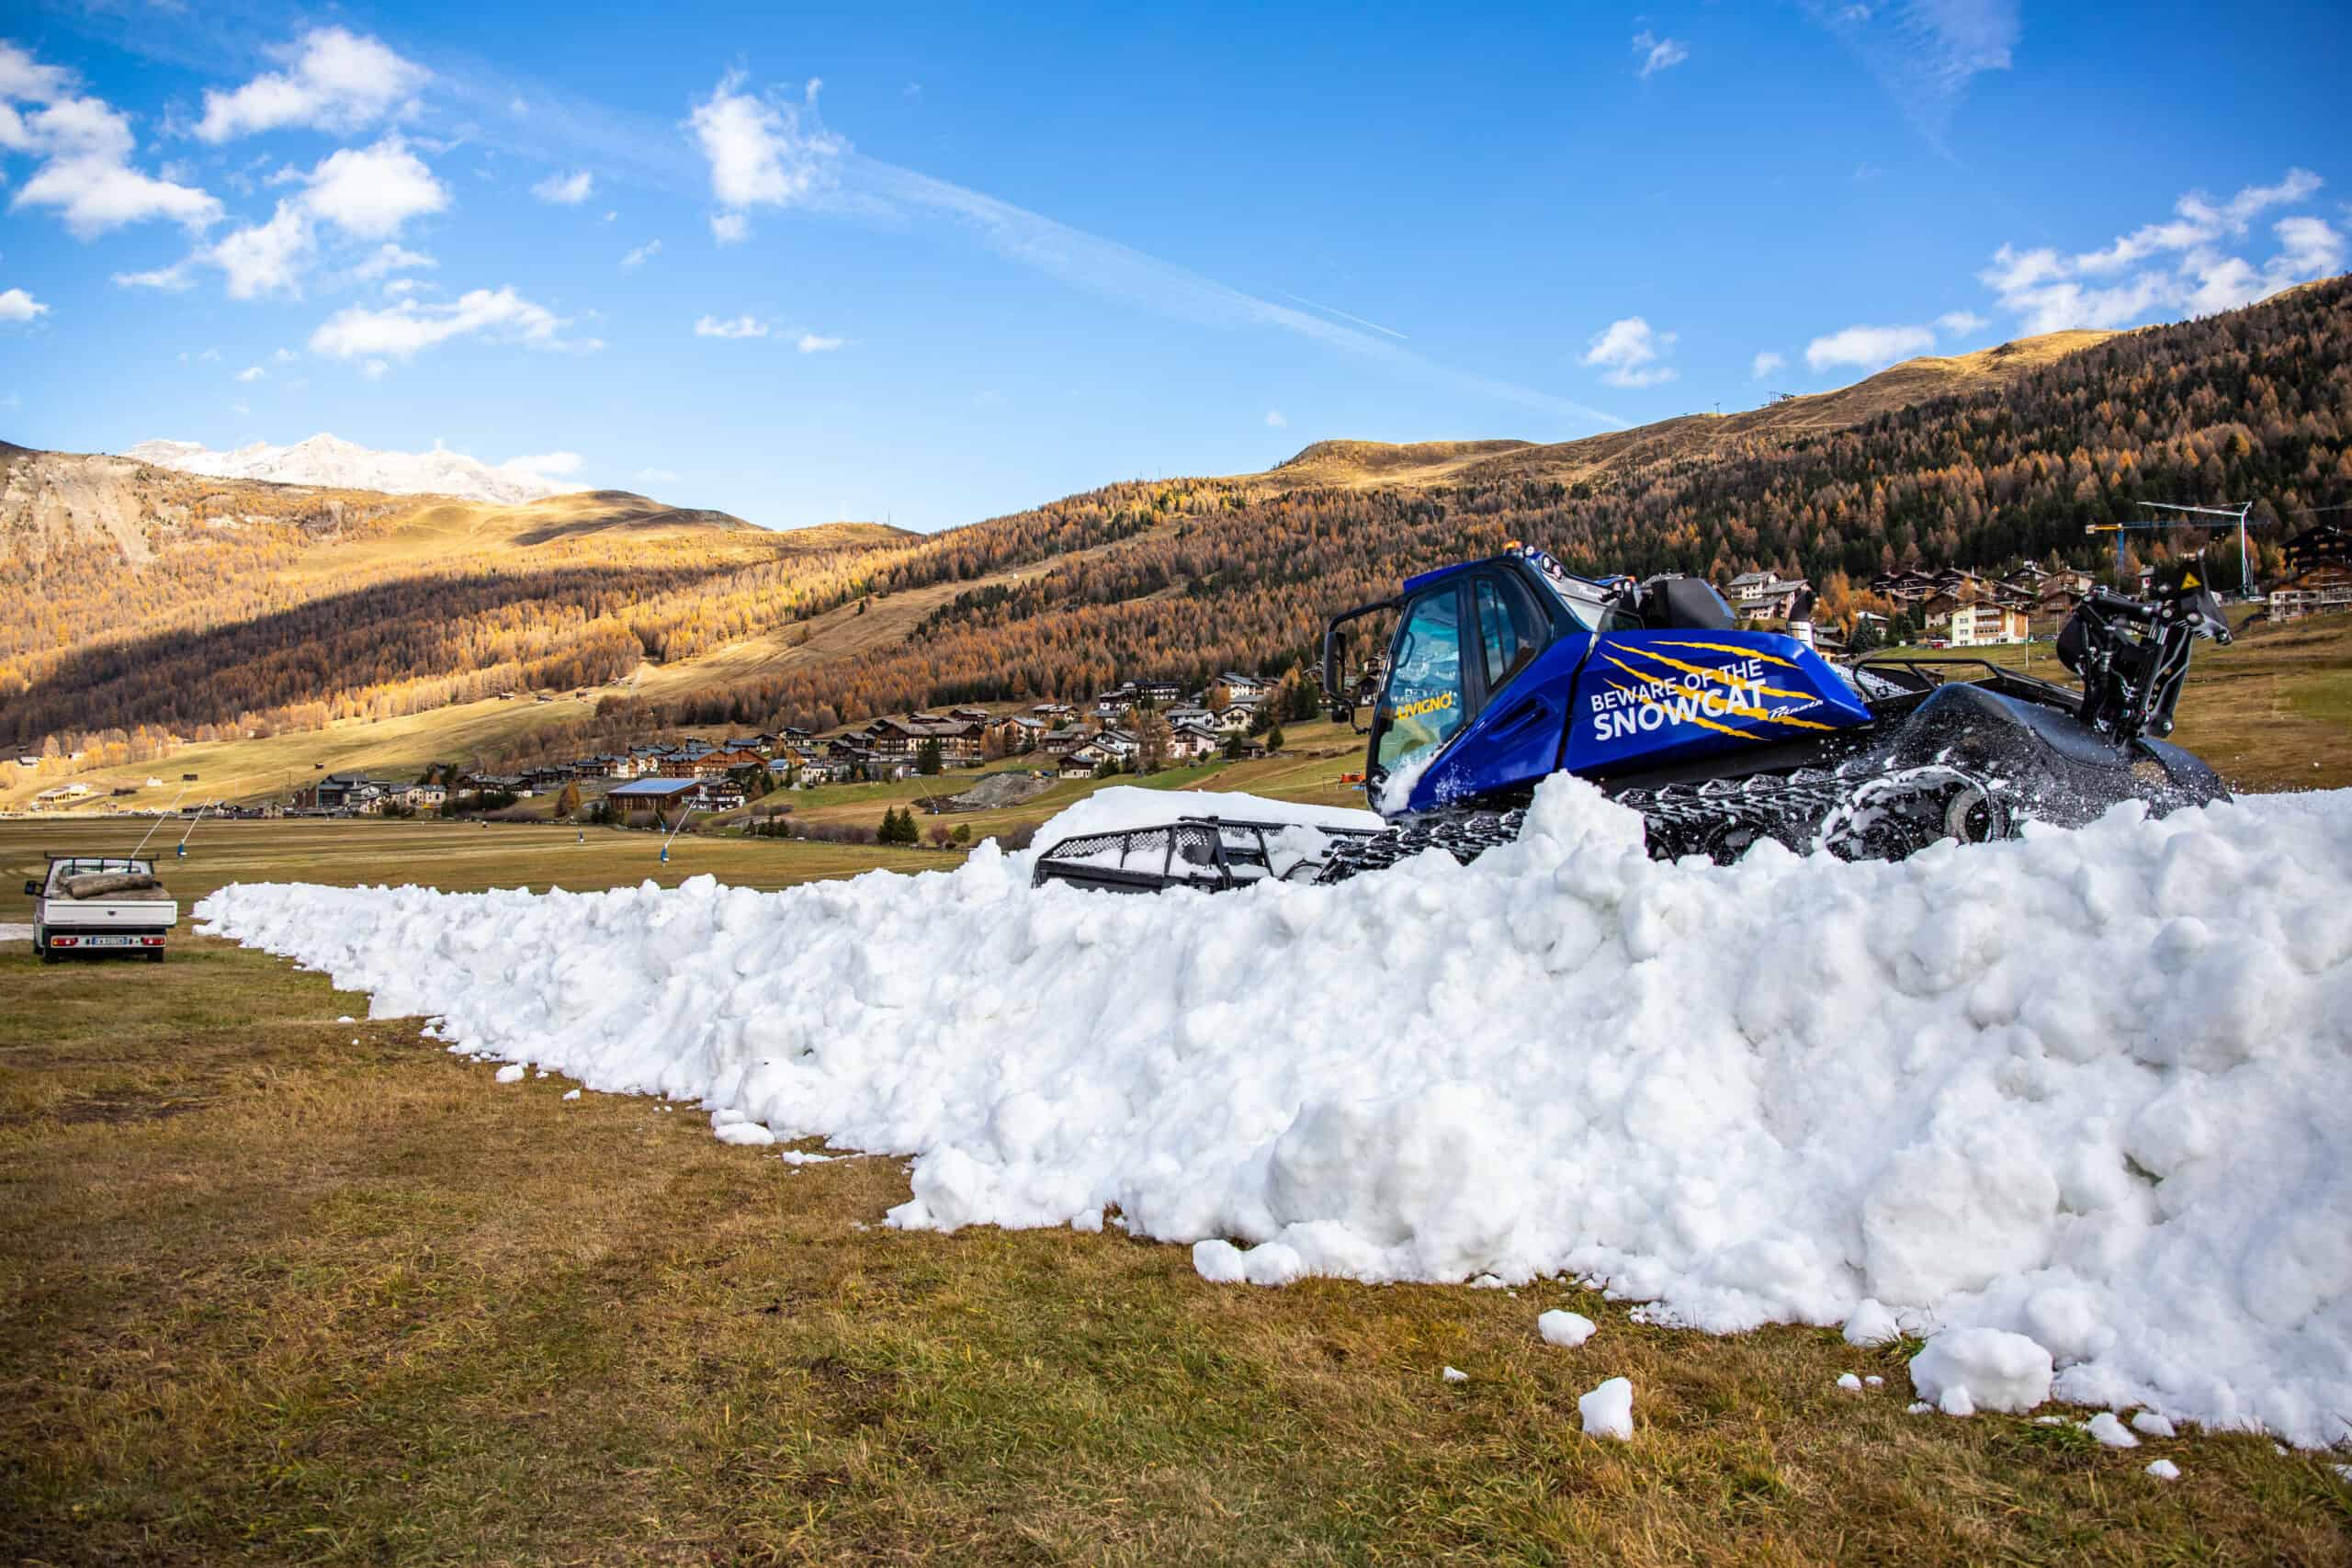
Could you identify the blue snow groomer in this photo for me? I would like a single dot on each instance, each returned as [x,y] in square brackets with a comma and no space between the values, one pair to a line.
[1503,672]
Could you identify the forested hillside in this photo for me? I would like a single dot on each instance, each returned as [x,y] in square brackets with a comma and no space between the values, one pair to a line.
[240,607]
[2253,405]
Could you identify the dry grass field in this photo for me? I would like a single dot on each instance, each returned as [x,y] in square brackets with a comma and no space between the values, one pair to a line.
[278,1287]
[284,1288]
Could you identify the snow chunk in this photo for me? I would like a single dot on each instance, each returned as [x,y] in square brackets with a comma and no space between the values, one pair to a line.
[2108,1428]
[571,1094]
[2164,1470]
[1564,1328]
[1850,1382]
[1608,1411]
[1875,1381]
[1984,1368]
[511,1073]
[2149,1424]
[1455,1374]
[1219,1261]
[1919,1407]
[750,1135]
[1870,1323]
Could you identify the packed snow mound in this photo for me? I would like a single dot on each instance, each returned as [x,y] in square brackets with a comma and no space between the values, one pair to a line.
[1968,1370]
[2090,1087]
[345,465]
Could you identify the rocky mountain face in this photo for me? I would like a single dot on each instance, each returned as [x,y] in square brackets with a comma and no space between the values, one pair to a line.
[328,461]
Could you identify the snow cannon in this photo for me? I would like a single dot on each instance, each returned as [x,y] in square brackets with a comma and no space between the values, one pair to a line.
[1502,672]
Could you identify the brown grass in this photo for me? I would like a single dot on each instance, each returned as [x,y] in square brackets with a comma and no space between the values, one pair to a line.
[281,1289]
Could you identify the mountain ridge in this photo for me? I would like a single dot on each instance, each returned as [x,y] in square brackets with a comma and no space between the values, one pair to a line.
[332,463]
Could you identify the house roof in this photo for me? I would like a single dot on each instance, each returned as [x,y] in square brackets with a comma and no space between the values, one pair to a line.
[654,787]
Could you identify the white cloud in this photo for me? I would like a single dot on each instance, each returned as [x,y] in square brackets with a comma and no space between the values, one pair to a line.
[172,279]
[566,190]
[1764,364]
[1629,350]
[1871,347]
[251,373]
[655,476]
[740,326]
[15,304]
[1658,54]
[730,228]
[239,409]
[546,468]
[370,193]
[84,145]
[334,81]
[285,357]
[639,256]
[2176,267]
[610,216]
[387,259]
[1961,323]
[402,287]
[267,258]
[1925,54]
[762,153]
[811,344]
[1275,419]
[401,331]
[374,369]
[23,77]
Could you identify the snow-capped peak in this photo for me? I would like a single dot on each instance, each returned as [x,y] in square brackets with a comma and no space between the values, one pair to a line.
[329,460]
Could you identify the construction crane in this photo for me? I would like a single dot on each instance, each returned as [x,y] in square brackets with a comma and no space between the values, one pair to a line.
[2235,514]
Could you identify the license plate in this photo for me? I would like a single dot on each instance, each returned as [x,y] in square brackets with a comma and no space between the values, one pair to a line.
[108,942]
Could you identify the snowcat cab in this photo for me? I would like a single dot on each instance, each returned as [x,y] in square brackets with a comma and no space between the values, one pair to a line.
[1505,670]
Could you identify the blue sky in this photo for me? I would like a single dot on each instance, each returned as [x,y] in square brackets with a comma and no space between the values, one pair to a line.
[936,265]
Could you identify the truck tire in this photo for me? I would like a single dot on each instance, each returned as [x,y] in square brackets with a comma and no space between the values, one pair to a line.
[154,956]
[47,953]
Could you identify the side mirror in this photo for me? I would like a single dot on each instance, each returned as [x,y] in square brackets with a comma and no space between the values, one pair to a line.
[32,888]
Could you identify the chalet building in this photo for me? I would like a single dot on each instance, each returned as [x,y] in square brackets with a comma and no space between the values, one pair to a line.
[1061,742]
[1765,595]
[1193,742]
[1904,587]
[1052,713]
[690,766]
[1985,624]
[2319,574]
[902,739]
[1241,688]
[667,795]
[1236,716]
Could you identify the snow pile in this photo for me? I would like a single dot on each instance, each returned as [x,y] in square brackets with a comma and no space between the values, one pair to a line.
[2090,1087]
[1970,1370]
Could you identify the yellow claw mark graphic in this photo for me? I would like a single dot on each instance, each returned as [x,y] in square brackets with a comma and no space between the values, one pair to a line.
[1703,719]
[1727,648]
[1716,675]
[1729,706]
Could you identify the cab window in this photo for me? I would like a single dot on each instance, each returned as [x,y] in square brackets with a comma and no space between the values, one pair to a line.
[1425,700]
[1508,638]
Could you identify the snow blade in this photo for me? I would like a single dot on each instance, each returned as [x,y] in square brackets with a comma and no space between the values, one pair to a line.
[1213,853]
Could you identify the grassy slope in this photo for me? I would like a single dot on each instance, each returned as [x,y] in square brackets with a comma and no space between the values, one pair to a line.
[280,1288]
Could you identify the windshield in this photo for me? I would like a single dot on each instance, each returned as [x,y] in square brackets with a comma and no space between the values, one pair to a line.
[1424,701]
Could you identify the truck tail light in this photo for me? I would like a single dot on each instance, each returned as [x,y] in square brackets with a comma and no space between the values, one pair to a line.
[151,941]
[65,942]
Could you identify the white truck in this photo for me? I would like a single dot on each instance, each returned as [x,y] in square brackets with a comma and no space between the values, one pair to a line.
[100,904]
